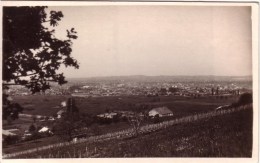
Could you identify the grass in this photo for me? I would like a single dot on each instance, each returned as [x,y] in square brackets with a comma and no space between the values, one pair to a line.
[31,144]
[228,135]
[101,129]
[45,105]
[40,104]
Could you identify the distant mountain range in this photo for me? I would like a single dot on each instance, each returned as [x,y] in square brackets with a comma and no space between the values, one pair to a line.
[164,78]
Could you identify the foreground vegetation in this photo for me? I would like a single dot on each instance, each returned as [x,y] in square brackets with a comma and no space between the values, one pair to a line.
[89,107]
[227,135]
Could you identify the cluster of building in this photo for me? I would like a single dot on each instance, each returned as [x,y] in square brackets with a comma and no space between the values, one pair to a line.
[156,89]
[152,113]
[121,88]
[22,91]
[24,135]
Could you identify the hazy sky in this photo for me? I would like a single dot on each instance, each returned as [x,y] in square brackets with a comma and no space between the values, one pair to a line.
[159,40]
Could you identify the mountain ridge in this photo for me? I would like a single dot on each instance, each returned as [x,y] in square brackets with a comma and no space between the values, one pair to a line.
[165,78]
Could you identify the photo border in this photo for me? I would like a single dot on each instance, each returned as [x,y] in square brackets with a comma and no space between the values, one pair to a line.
[255,52]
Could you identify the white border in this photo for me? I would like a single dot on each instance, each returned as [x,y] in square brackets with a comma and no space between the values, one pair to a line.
[120,3]
[255,52]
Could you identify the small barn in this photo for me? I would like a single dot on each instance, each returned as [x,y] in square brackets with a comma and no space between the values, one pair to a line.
[160,111]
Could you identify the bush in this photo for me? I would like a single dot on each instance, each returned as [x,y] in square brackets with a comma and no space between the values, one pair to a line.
[245,98]
[107,121]
[11,140]
[155,119]
[116,119]
[36,135]
[95,129]
[32,128]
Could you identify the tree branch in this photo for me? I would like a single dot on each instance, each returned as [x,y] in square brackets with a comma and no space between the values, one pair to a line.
[26,75]
[46,21]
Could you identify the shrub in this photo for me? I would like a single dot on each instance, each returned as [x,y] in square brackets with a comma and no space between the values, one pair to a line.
[8,140]
[35,136]
[156,119]
[32,128]
[95,129]
[245,98]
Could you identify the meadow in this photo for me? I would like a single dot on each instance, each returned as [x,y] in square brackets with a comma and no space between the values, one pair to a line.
[48,105]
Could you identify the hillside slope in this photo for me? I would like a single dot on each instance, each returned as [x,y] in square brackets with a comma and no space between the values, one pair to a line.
[227,135]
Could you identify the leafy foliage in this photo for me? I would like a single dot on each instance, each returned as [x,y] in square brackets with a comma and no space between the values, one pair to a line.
[30,49]
[8,140]
[32,54]
[32,128]
[245,98]
[70,122]
[10,109]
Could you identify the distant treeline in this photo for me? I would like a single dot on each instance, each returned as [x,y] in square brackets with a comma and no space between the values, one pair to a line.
[163,78]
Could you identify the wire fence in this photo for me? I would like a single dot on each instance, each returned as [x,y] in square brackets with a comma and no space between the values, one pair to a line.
[131,132]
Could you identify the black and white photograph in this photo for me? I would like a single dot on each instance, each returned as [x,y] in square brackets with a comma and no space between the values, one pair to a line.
[129,80]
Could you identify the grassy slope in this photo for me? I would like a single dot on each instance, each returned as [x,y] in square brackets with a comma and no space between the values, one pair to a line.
[103,129]
[223,136]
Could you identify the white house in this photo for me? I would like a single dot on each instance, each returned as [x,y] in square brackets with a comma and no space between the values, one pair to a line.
[7,133]
[86,87]
[63,104]
[160,111]
[44,129]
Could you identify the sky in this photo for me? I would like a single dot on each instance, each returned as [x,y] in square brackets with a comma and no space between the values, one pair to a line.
[158,40]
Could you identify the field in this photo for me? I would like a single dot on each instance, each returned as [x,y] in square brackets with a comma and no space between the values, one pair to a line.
[47,105]
[227,135]
[40,104]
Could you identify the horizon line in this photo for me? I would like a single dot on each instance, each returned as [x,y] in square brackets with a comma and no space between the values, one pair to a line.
[164,76]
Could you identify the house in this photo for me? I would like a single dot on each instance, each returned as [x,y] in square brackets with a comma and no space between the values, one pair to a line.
[7,133]
[86,87]
[63,104]
[107,115]
[26,134]
[59,113]
[45,130]
[51,119]
[125,113]
[160,111]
